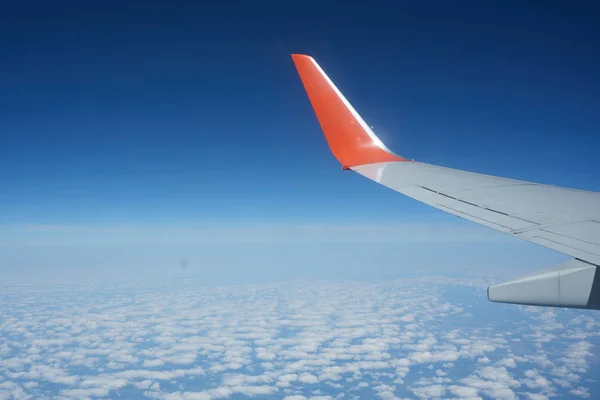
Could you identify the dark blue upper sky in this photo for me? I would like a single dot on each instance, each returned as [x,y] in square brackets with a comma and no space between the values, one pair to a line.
[192,112]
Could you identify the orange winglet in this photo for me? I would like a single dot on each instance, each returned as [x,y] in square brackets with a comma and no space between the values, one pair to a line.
[350,139]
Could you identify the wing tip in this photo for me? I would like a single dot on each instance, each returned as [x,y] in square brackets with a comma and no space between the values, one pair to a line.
[299,57]
[350,139]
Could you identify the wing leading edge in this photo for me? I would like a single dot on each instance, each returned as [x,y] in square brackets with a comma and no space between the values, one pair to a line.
[562,219]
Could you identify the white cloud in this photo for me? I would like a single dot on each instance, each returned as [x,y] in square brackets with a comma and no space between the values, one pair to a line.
[308,379]
[435,357]
[537,396]
[507,362]
[428,392]
[153,363]
[580,392]
[463,391]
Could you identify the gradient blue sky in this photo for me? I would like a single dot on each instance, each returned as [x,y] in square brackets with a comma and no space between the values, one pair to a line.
[191,114]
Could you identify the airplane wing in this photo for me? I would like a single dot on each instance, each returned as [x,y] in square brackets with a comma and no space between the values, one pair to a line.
[565,220]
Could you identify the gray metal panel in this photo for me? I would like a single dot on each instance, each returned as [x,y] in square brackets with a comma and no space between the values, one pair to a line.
[562,219]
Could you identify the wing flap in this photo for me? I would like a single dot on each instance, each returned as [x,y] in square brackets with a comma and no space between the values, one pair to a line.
[588,251]
[580,231]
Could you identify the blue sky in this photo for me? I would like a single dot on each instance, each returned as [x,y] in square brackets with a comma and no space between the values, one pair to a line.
[192,114]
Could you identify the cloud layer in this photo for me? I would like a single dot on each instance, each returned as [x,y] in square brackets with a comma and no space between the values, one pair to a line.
[419,338]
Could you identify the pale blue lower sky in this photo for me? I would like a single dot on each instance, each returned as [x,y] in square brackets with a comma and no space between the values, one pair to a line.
[264,253]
